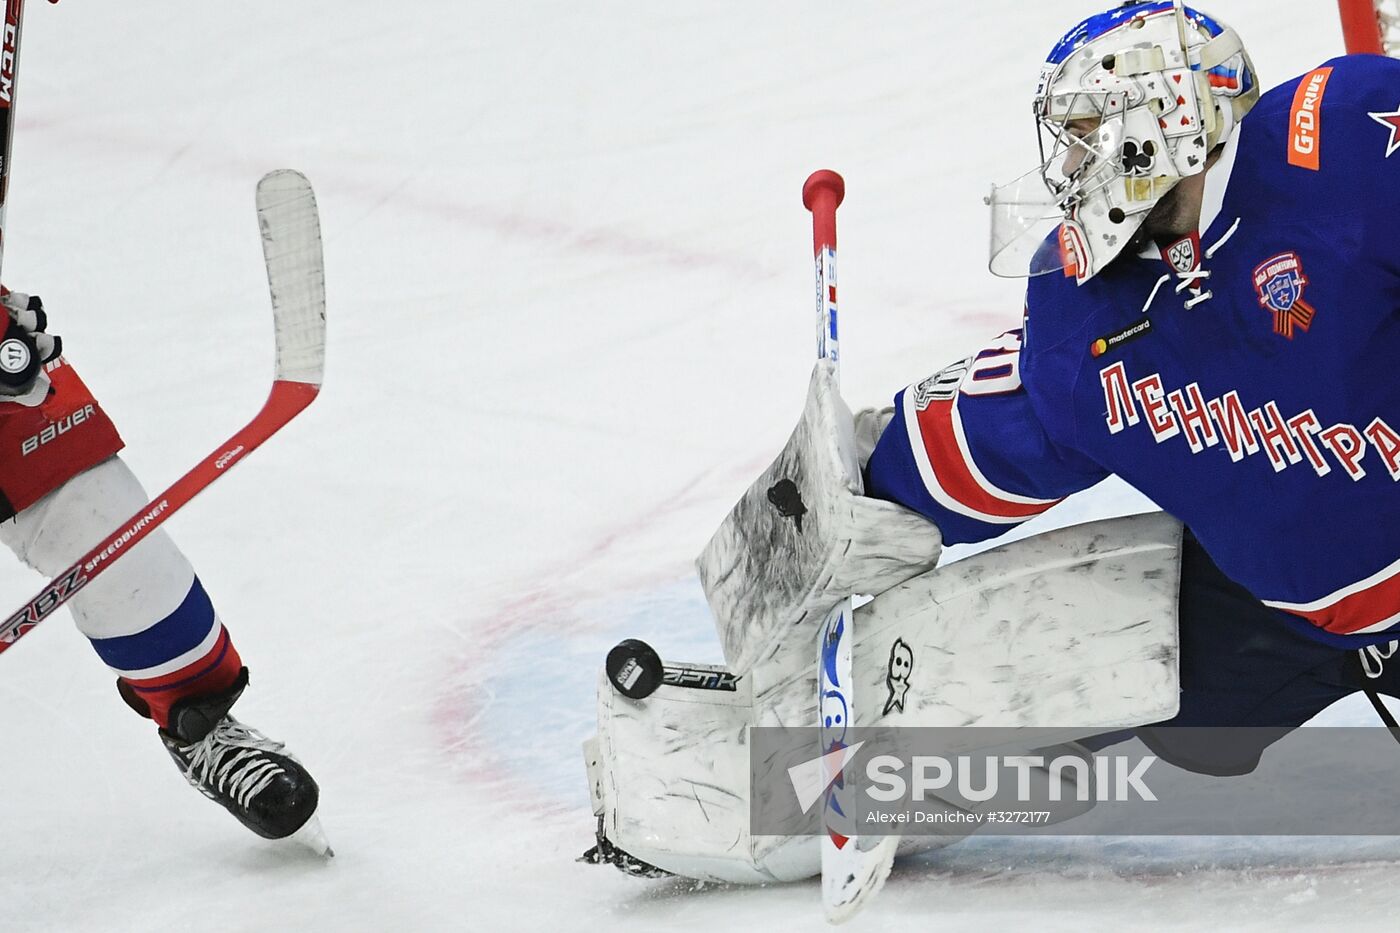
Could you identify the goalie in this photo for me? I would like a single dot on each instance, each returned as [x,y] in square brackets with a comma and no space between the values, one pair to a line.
[1212,314]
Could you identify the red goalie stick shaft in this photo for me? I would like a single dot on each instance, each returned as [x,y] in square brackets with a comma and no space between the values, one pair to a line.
[854,866]
[822,194]
[292,248]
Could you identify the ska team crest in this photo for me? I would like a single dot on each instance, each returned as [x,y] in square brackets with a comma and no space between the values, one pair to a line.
[1279,282]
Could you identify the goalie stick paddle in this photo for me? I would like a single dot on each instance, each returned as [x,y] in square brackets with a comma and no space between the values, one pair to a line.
[291,236]
[853,867]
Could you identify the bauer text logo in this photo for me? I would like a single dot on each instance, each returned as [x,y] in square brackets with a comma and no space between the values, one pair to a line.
[55,430]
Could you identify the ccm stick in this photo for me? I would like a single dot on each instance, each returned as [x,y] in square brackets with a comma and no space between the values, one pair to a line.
[9,73]
[853,867]
[291,236]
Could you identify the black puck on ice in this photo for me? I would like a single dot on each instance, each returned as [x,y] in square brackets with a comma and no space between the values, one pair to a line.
[634,668]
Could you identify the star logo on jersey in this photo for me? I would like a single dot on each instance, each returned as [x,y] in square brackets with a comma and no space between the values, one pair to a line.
[1390,121]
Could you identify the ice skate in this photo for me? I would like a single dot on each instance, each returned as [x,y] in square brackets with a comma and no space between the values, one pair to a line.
[250,775]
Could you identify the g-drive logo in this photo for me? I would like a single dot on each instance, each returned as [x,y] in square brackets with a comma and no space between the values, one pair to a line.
[1117,778]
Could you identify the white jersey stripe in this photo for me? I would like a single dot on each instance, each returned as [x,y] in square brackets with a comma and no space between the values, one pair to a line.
[987,485]
[1336,596]
[1380,626]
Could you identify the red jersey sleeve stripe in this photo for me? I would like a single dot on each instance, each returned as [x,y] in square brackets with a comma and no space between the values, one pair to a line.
[949,473]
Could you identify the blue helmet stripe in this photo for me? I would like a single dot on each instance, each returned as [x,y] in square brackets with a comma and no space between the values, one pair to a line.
[1100,23]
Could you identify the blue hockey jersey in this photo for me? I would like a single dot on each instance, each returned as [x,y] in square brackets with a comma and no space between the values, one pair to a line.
[1266,417]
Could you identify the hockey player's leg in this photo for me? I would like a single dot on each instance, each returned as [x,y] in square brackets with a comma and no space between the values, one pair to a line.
[152,623]
[1242,665]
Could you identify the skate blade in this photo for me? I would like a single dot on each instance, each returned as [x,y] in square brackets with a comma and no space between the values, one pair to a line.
[313,837]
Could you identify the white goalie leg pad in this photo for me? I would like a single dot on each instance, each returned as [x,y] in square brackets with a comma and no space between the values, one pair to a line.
[1074,630]
[669,776]
[803,537]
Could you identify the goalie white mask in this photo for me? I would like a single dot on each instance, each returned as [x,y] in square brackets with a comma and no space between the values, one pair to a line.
[1130,102]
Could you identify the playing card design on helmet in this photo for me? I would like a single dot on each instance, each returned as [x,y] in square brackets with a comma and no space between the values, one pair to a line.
[1129,102]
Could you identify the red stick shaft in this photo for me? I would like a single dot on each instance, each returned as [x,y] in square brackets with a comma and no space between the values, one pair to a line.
[286,400]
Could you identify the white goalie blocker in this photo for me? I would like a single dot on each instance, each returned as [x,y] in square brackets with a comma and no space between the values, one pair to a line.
[1073,630]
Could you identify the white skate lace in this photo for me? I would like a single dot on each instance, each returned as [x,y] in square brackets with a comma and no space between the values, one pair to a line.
[228,759]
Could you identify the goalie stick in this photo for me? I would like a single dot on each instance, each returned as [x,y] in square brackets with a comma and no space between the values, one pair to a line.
[853,867]
[291,236]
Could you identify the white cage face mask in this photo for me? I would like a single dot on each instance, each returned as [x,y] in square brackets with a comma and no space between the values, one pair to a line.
[1100,160]
[1123,117]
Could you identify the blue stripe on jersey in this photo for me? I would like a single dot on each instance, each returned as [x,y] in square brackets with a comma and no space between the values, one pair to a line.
[177,633]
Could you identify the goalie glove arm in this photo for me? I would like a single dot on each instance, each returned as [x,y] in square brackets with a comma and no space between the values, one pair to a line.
[965,449]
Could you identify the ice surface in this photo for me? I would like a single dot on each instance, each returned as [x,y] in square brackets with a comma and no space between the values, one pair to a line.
[569,297]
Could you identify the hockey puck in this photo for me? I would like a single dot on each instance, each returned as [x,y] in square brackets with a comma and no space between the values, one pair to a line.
[634,668]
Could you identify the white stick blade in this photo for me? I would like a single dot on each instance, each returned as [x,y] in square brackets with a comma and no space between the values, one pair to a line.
[291,235]
[862,874]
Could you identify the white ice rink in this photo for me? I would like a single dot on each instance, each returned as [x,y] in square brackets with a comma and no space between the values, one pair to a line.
[569,297]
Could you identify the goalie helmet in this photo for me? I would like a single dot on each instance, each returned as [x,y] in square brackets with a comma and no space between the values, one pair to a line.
[1129,103]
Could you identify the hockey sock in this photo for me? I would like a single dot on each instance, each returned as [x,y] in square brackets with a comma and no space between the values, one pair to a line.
[188,653]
